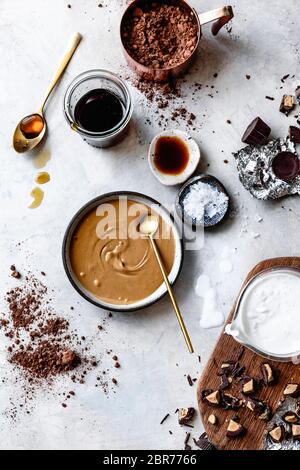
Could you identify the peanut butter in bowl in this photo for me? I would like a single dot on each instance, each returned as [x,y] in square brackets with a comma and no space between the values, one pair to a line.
[110,259]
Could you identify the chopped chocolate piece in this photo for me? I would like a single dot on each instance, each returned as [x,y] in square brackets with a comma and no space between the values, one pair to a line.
[190,381]
[266,414]
[203,442]
[212,419]
[285,77]
[117,365]
[185,415]
[249,387]
[237,371]
[290,417]
[287,104]
[296,431]
[297,93]
[227,368]
[292,390]
[224,382]
[186,441]
[271,98]
[115,358]
[213,398]
[16,274]
[248,77]
[229,402]
[267,373]
[294,134]
[164,418]
[235,429]
[277,434]
[114,381]
[257,132]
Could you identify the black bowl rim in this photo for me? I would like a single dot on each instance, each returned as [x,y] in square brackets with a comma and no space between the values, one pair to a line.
[66,237]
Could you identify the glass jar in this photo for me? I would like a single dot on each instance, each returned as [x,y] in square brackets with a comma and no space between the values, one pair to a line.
[91,80]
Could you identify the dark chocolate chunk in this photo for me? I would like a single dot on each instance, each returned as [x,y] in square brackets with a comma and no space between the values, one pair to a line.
[266,413]
[271,98]
[229,402]
[287,104]
[185,415]
[267,373]
[235,429]
[164,418]
[248,386]
[224,382]
[286,166]
[203,442]
[297,93]
[190,380]
[257,132]
[277,433]
[294,134]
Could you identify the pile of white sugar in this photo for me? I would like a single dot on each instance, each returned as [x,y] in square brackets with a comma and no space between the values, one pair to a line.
[204,200]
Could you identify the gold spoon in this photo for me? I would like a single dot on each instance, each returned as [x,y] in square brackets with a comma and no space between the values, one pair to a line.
[149,226]
[31,129]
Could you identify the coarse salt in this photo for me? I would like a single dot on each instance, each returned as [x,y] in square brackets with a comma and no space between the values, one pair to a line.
[204,199]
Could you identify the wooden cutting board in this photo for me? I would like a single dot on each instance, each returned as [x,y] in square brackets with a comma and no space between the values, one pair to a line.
[226,349]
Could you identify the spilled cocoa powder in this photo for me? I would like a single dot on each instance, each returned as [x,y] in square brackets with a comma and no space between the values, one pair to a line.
[42,346]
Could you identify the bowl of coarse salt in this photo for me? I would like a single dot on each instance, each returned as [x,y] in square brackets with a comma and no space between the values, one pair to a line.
[202,201]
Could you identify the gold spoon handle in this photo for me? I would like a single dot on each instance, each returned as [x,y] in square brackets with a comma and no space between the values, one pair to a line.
[72,46]
[173,300]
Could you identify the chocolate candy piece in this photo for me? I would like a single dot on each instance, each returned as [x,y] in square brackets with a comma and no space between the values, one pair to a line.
[296,431]
[292,390]
[277,433]
[286,166]
[290,417]
[297,93]
[287,104]
[266,370]
[257,132]
[235,429]
[185,415]
[294,134]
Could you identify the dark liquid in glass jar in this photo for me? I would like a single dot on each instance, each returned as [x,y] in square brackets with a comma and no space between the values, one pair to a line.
[171,155]
[98,110]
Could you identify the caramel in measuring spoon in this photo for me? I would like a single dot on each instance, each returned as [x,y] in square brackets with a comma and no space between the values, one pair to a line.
[31,126]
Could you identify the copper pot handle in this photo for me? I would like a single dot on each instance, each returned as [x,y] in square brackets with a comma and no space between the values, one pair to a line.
[222,15]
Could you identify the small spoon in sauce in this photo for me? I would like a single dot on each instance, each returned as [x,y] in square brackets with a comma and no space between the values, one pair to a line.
[149,226]
[31,129]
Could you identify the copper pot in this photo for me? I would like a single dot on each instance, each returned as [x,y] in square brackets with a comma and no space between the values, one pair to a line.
[220,17]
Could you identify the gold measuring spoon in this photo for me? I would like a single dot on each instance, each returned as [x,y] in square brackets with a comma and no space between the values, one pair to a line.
[31,129]
[149,226]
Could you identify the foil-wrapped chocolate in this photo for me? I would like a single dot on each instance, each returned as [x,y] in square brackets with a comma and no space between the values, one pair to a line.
[269,171]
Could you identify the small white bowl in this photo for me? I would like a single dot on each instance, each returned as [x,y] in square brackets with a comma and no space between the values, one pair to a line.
[194,158]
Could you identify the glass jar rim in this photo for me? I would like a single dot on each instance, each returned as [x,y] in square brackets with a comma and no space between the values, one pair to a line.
[96,73]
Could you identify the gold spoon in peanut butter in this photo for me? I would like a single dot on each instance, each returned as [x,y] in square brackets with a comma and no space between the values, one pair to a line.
[31,129]
[149,226]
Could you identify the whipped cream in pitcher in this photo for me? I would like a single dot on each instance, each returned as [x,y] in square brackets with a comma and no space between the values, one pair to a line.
[267,315]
